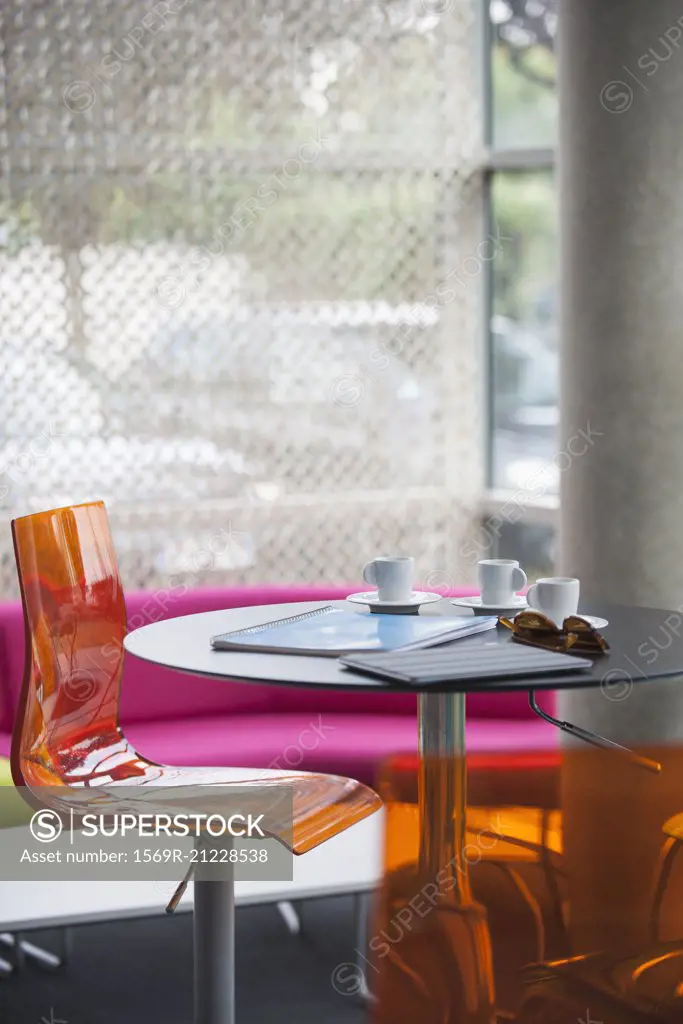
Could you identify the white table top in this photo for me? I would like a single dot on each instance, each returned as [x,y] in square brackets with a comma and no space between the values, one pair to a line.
[184,644]
[349,863]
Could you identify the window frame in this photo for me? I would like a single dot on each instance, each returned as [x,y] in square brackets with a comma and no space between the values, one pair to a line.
[521,159]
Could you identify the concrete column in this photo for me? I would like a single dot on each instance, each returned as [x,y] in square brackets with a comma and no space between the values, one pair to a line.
[621,225]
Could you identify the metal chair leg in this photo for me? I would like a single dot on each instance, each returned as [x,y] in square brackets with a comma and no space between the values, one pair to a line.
[363,905]
[7,941]
[666,863]
[531,902]
[553,887]
[36,954]
[24,950]
[594,738]
[67,943]
[180,891]
[291,916]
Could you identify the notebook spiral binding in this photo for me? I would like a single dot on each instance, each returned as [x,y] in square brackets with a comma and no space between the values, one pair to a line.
[280,622]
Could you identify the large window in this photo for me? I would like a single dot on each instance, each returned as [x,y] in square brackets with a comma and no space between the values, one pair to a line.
[243,253]
[521,130]
[222,227]
[522,73]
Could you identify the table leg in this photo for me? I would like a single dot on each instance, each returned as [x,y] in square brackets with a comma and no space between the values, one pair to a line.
[468,996]
[443,787]
[214,949]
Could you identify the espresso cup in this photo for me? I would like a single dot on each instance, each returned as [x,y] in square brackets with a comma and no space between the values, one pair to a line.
[499,580]
[557,597]
[393,577]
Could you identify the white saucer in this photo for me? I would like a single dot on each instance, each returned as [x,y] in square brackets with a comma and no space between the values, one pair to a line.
[411,604]
[595,620]
[475,603]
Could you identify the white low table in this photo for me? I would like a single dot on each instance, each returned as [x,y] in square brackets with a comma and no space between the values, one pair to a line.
[348,864]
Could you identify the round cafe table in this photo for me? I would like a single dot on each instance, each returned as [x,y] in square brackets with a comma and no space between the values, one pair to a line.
[183,644]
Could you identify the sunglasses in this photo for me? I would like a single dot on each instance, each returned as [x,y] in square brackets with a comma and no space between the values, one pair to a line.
[576,636]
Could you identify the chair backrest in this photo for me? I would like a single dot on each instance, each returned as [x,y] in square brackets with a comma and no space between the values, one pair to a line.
[66,729]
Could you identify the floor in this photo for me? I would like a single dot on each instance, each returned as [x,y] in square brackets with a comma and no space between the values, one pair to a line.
[134,972]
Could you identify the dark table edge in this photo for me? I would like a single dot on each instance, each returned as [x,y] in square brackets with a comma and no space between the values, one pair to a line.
[369,684]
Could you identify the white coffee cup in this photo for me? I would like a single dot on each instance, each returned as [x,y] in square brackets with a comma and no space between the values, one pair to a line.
[499,580]
[556,596]
[393,577]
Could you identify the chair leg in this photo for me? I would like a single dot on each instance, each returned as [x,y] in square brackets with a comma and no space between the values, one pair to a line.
[24,950]
[666,863]
[7,941]
[67,942]
[362,908]
[531,902]
[291,916]
[6,968]
[180,891]
[553,887]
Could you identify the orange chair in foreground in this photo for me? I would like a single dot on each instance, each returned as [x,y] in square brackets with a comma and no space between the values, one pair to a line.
[67,732]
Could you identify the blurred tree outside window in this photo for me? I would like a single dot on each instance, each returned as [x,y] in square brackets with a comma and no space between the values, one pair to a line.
[523,279]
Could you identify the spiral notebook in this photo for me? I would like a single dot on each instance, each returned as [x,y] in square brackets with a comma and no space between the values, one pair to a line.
[330,632]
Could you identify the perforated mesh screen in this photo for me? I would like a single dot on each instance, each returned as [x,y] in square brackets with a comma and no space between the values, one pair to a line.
[224,237]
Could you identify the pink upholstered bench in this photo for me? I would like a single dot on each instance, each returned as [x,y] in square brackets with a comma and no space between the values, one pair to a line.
[181,719]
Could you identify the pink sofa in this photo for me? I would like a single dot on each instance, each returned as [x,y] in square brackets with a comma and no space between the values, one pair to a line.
[180,719]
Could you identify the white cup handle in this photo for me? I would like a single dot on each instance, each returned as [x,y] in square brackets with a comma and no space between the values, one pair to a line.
[369,574]
[519,578]
[530,595]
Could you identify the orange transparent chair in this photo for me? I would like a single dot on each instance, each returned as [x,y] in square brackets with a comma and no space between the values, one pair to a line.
[449,949]
[67,731]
